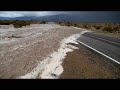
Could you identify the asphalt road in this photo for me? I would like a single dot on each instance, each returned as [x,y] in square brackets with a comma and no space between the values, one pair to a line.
[104,45]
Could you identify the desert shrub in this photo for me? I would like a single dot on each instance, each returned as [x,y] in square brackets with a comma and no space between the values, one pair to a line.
[80,25]
[43,22]
[85,26]
[97,27]
[59,22]
[116,28]
[18,24]
[75,25]
[108,29]
[4,22]
[67,23]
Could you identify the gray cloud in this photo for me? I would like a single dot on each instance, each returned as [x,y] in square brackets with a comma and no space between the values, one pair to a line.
[29,13]
[13,14]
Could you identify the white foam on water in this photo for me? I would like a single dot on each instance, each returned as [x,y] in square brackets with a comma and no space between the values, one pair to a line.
[51,67]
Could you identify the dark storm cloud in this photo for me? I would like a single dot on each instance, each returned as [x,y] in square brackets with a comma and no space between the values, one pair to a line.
[44,13]
[87,16]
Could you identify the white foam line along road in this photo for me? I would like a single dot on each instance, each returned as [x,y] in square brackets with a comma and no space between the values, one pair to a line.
[51,67]
[99,52]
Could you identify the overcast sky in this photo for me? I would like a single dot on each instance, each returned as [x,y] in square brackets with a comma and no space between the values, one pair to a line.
[28,13]
[13,14]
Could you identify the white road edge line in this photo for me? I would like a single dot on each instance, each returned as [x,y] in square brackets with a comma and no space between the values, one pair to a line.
[99,52]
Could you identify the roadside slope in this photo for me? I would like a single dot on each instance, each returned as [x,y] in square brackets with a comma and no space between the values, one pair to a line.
[86,64]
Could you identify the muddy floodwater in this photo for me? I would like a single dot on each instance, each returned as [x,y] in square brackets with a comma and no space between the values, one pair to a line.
[22,49]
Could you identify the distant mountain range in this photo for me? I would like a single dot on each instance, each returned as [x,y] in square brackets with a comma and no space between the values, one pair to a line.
[84,17]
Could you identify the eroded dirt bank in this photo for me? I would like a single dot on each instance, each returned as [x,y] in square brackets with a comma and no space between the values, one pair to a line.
[85,64]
